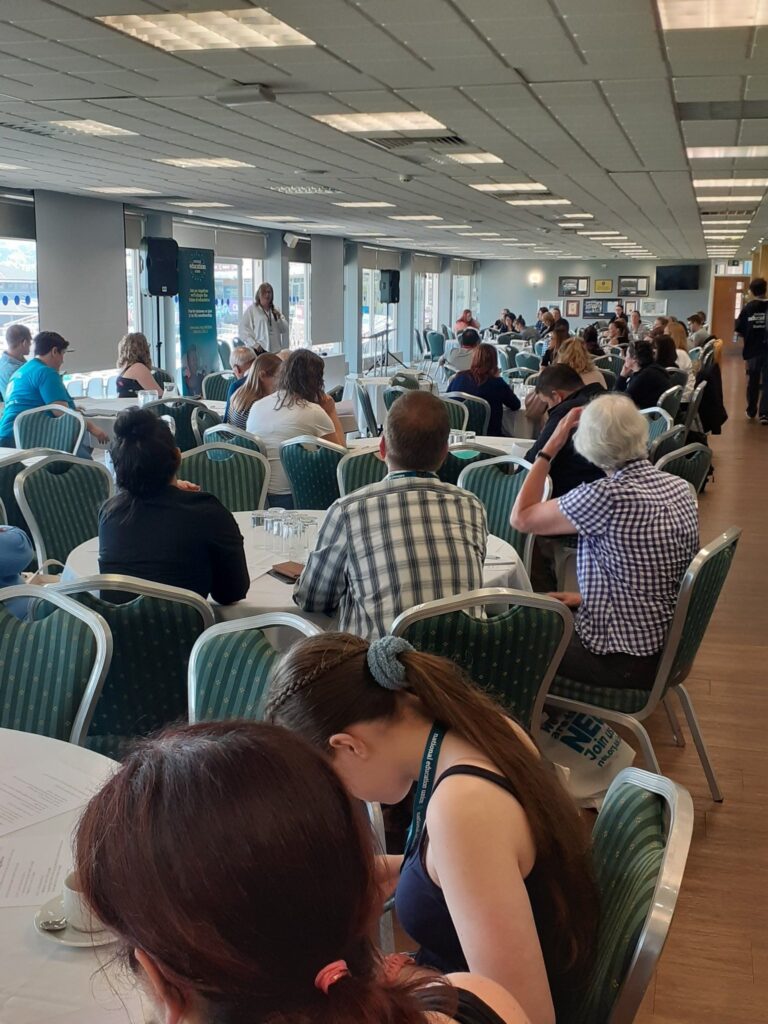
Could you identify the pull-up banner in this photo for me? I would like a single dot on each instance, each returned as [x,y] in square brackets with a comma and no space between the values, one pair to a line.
[197,318]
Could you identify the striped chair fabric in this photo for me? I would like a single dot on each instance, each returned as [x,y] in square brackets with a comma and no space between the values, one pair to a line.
[161,376]
[610,362]
[670,441]
[61,497]
[359,470]
[41,429]
[540,347]
[692,412]
[237,477]
[180,410]
[504,358]
[203,419]
[659,421]
[391,394]
[310,465]
[677,377]
[10,467]
[478,411]
[223,433]
[216,386]
[225,351]
[690,463]
[670,400]
[527,361]
[458,413]
[609,377]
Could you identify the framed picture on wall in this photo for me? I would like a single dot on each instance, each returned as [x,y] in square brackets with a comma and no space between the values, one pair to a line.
[572,286]
[653,307]
[593,307]
[630,306]
[603,286]
[572,307]
[633,286]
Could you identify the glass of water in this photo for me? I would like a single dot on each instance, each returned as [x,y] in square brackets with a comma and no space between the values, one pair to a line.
[258,531]
[274,528]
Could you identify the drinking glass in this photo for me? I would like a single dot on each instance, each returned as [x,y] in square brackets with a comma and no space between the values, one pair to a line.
[274,527]
[169,387]
[291,536]
[258,532]
[309,532]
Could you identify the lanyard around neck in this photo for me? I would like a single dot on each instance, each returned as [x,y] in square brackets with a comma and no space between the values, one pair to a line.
[425,786]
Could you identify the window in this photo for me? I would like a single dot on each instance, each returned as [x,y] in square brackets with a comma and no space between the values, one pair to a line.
[461,288]
[426,286]
[132,290]
[18,284]
[235,281]
[299,277]
[379,321]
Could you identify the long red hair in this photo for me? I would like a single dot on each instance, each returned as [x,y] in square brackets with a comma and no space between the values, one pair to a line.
[485,364]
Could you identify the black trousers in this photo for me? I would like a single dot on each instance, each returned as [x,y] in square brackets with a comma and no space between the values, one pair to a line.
[757,382]
[616,671]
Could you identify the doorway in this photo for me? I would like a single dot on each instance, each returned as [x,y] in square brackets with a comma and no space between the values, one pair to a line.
[729,296]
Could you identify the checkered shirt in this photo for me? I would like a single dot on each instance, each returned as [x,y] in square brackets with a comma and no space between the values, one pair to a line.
[391,545]
[638,532]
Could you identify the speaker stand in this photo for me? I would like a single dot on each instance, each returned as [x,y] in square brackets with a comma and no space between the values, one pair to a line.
[158,335]
[386,352]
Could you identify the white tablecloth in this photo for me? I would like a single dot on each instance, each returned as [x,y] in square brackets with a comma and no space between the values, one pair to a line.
[375,386]
[517,446]
[42,982]
[503,568]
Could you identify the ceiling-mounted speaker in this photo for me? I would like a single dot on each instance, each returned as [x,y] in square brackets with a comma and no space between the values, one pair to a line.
[291,240]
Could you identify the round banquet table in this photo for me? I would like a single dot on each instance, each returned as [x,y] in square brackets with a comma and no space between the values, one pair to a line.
[42,982]
[503,568]
[516,446]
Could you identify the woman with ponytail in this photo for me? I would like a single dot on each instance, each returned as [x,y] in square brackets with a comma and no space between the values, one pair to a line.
[495,878]
[238,876]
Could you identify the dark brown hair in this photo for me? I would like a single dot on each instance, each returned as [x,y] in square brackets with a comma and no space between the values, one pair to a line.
[485,364]
[416,432]
[557,336]
[301,378]
[665,351]
[323,685]
[230,853]
[621,326]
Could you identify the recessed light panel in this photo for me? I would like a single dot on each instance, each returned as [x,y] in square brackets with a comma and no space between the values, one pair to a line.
[684,14]
[193,204]
[538,202]
[475,158]
[200,161]
[364,206]
[414,216]
[447,227]
[401,121]
[570,224]
[86,127]
[580,216]
[728,199]
[520,186]
[11,167]
[479,234]
[725,152]
[122,190]
[730,182]
[208,30]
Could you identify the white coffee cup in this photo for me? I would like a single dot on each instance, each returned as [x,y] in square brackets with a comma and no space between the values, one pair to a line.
[77,912]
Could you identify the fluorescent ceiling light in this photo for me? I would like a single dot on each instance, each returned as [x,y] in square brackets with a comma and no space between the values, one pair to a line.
[598,234]
[11,167]
[475,158]
[479,234]
[719,238]
[271,216]
[728,221]
[200,161]
[16,195]
[730,182]
[208,30]
[683,14]
[120,190]
[520,186]
[505,239]
[520,245]
[538,202]
[401,121]
[728,199]
[365,206]
[447,227]
[384,239]
[192,204]
[725,152]
[570,224]
[86,127]
[581,216]
[414,216]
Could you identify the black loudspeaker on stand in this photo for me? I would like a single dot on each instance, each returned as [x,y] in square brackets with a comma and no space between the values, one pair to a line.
[389,292]
[159,266]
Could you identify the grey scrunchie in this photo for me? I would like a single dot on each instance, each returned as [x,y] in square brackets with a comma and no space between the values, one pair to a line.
[384,661]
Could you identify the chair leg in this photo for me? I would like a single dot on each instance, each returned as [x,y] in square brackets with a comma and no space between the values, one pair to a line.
[674,724]
[698,739]
[646,747]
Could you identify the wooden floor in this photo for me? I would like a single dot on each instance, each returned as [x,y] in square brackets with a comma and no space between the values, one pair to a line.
[714,969]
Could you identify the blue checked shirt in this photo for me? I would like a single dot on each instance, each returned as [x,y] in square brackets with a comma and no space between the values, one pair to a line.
[638,532]
[391,545]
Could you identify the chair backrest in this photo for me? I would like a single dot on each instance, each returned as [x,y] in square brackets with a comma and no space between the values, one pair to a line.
[609,377]
[238,477]
[111,386]
[458,413]
[670,441]
[540,347]
[527,361]
[514,655]
[504,358]
[50,426]
[224,433]
[10,467]
[161,376]
[678,377]
[391,394]
[310,465]
[707,354]
[358,469]
[60,497]
[436,343]
[444,331]
[231,665]
[478,411]
[640,844]
[202,419]
[520,373]
[690,463]
[216,385]
[404,380]
[670,400]
[659,420]
[153,633]
[52,665]
[462,455]
[95,388]
[497,483]
[76,388]
[366,408]
[505,337]
[694,405]
[180,410]
[695,353]
[224,353]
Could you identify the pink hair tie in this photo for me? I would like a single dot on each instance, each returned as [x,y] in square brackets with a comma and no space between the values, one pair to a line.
[330,975]
[394,964]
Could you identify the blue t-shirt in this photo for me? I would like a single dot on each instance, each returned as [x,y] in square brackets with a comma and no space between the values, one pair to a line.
[34,384]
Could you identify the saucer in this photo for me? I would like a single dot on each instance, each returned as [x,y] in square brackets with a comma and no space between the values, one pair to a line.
[69,936]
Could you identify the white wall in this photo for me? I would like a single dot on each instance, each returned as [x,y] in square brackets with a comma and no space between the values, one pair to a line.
[81,275]
[504,283]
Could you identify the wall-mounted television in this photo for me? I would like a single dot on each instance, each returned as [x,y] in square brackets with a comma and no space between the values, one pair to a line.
[682,278]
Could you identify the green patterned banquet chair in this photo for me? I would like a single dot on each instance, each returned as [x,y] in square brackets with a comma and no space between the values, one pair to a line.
[513,655]
[670,400]
[154,629]
[10,467]
[678,377]
[458,413]
[609,377]
[659,421]
[162,377]
[202,420]
[224,433]
[528,361]
[696,600]
[692,412]
[497,483]
[239,478]
[231,665]
[310,465]
[436,343]
[503,357]
[391,394]
[358,469]
[50,426]
[60,497]
[670,441]
[225,351]
[365,408]
[461,455]
[52,665]
[640,844]
[478,411]
[216,385]
[180,410]
[613,363]
[690,463]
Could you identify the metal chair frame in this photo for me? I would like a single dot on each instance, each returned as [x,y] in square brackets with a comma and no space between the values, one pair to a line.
[366,407]
[227,375]
[671,436]
[197,416]
[468,399]
[684,452]
[653,414]
[25,455]
[464,412]
[670,400]
[692,412]
[233,450]
[57,410]
[159,407]
[210,437]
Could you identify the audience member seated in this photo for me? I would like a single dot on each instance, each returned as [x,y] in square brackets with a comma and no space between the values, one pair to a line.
[617,333]
[134,367]
[679,336]
[278,865]
[18,341]
[260,382]
[299,406]
[661,321]
[460,358]
[482,379]
[500,842]
[560,321]
[562,389]
[557,338]
[618,312]
[163,529]
[542,311]
[637,533]
[669,356]
[408,539]
[500,325]
[698,333]
[508,323]
[637,330]
[464,321]
[547,323]
[591,343]
[526,333]
[37,383]
[573,353]
[241,359]
[642,378]
[16,553]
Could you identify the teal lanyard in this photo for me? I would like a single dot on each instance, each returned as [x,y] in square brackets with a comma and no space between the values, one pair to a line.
[425,786]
